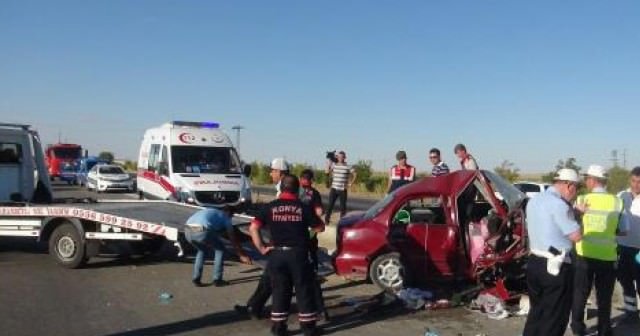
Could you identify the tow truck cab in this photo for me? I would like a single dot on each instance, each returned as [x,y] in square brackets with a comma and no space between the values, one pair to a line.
[23,173]
[192,162]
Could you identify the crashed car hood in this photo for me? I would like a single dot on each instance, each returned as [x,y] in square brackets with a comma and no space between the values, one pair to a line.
[351,218]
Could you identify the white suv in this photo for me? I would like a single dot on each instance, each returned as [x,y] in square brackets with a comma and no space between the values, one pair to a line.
[531,188]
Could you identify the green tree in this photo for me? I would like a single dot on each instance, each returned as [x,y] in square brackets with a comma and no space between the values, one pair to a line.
[508,171]
[618,179]
[568,163]
[363,170]
[320,176]
[297,168]
[130,165]
[106,156]
[260,173]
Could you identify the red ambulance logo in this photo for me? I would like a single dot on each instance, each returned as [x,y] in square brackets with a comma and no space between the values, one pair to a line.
[187,138]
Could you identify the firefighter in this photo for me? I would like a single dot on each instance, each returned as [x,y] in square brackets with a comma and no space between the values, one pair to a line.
[255,306]
[311,197]
[596,252]
[289,221]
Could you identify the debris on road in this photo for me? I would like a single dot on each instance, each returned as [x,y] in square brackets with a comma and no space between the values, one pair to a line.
[440,304]
[491,305]
[165,298]
[414,298]
[429,332]
[523,306]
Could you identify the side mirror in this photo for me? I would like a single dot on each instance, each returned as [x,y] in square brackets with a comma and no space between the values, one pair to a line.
[246,170]
[422,216]
[163,168]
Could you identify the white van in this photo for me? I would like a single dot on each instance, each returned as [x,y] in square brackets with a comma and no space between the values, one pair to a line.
[21,158]
[192,162]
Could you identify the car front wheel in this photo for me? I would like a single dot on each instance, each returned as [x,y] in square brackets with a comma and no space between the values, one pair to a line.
[388,272]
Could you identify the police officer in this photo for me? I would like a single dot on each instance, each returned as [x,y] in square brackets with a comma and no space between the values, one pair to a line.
[289,221]
[596,253]
[402,173]
[552,229]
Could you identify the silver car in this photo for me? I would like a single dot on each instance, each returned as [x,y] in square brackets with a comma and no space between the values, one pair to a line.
[107,177]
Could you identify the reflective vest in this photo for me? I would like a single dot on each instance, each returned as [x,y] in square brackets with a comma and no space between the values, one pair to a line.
[401,175]
[599,225]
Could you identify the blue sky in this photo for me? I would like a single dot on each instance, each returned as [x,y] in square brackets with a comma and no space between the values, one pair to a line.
[531,82]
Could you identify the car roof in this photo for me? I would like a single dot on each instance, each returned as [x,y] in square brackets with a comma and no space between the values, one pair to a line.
[529,182]
[449,184]
[106,165]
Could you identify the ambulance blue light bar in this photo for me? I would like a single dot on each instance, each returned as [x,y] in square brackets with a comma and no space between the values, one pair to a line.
[196,124]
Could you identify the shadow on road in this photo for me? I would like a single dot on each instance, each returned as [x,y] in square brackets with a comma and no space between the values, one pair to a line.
[359,311]
[19,244]
[179,327]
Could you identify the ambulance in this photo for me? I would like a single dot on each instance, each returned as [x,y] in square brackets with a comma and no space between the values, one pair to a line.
[192,162]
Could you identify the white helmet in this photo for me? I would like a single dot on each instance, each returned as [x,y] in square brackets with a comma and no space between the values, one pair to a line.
[597,171]
[567,174]
[280,164]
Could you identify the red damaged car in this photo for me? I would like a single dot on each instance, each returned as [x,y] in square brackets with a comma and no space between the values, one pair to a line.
[464,226]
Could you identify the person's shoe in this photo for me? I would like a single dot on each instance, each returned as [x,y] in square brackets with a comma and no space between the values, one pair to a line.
[220,283]
[247,310]
[309,329]
[279,329]
[197,282]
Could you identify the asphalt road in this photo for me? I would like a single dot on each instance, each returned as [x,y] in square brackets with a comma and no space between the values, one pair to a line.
[120,296]
[353,203]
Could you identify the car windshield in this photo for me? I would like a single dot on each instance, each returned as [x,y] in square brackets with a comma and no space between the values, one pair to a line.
[510,194]
[68,167]
[204,160]
[379,206]
[527,187]
[111,170]
[68,153]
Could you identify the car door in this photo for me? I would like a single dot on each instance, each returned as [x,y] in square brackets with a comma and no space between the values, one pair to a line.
[92,177]
[419,232]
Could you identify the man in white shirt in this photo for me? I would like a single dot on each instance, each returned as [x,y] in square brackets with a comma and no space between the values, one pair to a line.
[342,177]
[629,247]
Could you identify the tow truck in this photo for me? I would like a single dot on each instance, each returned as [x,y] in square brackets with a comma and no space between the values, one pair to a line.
[75,229]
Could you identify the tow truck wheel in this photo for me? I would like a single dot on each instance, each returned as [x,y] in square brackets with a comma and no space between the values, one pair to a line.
[387,271]
[66,246]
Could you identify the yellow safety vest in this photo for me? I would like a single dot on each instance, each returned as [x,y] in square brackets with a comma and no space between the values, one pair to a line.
[599,225]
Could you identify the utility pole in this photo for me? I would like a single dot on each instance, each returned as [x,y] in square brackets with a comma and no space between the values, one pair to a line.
[237,128]
[624,158]
[614,157]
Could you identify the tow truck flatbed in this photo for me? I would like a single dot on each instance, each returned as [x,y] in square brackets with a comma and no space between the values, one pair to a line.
[88,220]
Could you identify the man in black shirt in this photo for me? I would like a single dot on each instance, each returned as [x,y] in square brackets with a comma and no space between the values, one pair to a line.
[289,221]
